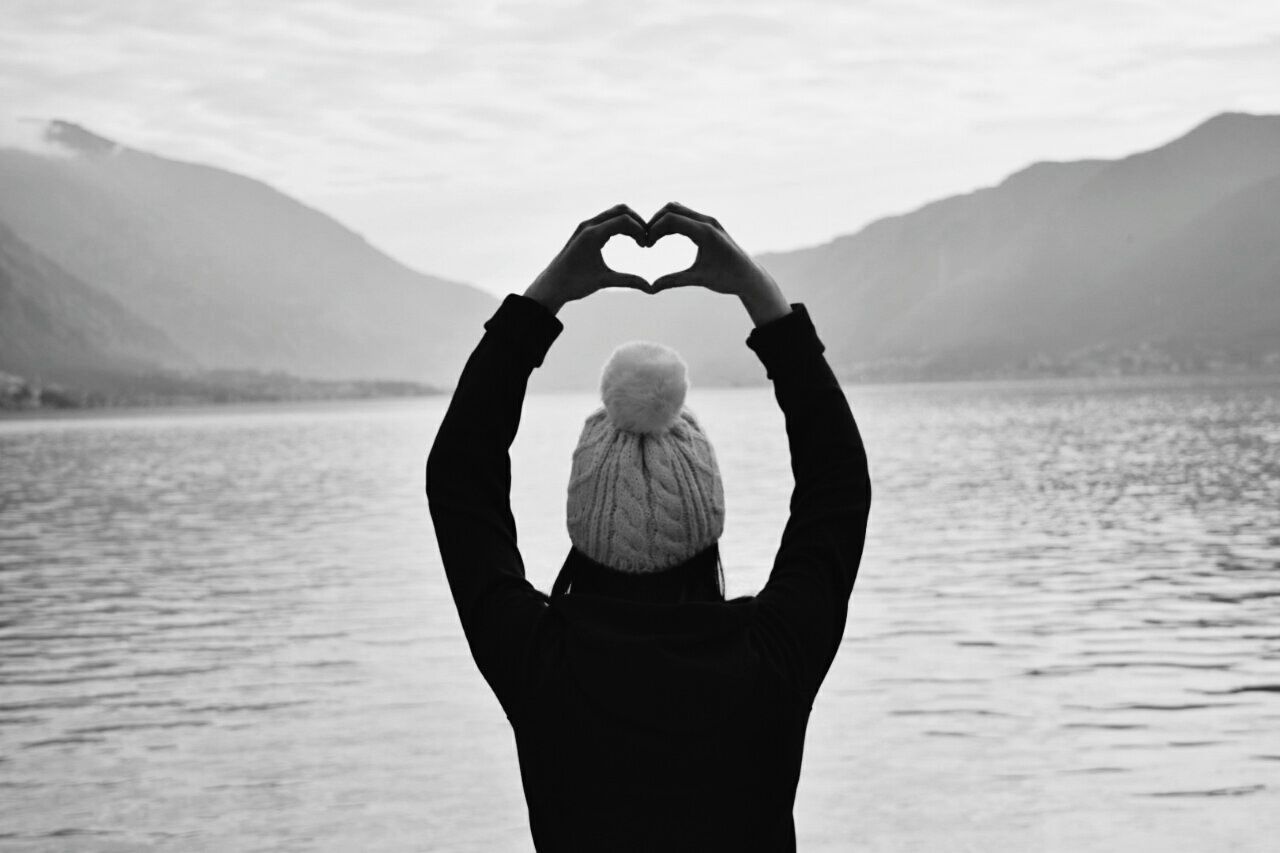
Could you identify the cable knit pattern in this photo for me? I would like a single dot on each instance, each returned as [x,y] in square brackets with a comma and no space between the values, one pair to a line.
[669,520]
[642,502]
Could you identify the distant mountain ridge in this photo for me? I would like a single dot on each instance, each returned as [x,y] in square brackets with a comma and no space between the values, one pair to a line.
[55,325]
[1060,257]
[1165,260]
[238,273]
[64,344]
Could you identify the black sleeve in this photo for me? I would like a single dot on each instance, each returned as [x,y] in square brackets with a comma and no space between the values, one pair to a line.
[469,491]
[803,606]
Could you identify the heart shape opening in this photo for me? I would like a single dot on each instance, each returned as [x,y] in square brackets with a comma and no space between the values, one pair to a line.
[672,253]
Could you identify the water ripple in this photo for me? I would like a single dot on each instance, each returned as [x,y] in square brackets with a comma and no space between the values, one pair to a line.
[1064,623]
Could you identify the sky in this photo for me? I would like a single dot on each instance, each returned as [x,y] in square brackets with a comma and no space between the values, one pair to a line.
[467,139]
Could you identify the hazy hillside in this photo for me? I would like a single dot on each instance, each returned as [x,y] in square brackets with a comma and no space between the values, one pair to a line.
[1218,277]
[1165,260]
[66,344]
[242,275]
[56,328]
[1057,267]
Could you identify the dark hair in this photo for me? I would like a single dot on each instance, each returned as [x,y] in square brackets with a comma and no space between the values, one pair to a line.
[699,578]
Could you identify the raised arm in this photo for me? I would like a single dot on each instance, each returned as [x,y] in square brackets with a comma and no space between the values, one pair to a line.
[469,487]
[469,467]
[804,605]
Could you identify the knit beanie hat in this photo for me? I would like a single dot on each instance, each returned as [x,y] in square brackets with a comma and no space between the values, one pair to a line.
[645,491]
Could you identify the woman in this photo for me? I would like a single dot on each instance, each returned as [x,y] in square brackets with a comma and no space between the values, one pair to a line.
[649,713]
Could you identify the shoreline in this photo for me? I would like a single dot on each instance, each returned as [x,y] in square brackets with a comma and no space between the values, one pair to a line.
[1047,384]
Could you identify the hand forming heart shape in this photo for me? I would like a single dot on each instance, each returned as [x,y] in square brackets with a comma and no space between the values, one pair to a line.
[719,264]
[670,254]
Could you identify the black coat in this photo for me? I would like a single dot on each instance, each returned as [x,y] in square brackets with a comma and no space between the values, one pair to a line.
[644,726]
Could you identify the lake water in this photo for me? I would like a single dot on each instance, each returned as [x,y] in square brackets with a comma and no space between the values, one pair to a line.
[228,630]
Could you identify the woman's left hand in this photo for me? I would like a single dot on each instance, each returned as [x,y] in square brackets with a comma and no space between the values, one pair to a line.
[579,270]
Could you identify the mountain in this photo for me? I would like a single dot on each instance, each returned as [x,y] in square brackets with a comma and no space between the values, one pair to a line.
[56,328]
[1057,258]
[1165,260]
[66,344]
[1076,267]
[240,274]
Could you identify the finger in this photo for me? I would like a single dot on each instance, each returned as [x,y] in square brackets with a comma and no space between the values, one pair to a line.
[693,214]
[671,222]
[683,278]
[626,209]
[608,214]
[677,207]
[666,208]
[622,279]
[600,232]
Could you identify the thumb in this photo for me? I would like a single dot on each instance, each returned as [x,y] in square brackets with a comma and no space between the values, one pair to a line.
[683,278]
[628,280]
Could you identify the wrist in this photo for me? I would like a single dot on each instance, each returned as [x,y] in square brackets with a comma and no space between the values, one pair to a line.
[545,296]
[765,302]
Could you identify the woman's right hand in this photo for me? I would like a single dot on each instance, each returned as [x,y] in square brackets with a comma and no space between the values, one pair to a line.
[579,269]
[720,265]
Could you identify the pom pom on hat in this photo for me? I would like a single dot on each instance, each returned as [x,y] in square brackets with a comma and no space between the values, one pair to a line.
[643,387]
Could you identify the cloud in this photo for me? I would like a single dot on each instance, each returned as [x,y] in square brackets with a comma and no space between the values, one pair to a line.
[408,119]
[27,133]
